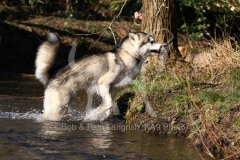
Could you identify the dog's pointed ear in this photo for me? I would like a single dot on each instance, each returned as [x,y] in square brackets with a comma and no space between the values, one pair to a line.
[132,38]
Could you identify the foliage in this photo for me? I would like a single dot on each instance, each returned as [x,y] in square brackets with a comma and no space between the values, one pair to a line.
[182,103]
[85,8]
[199,17]
[140,108]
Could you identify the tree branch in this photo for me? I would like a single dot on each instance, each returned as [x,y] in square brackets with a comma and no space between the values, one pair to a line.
[109,27]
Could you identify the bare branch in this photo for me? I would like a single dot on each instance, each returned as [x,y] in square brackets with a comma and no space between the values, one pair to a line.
[109,27]
[98,38]
[162,5]
[115,41]
[121,9]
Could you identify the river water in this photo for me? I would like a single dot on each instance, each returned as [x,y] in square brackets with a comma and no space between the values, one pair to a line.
[24,135]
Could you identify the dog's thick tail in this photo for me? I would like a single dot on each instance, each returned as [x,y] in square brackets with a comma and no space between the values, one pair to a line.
[46,57]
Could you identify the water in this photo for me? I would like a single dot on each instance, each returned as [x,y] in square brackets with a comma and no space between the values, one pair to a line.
[23,134]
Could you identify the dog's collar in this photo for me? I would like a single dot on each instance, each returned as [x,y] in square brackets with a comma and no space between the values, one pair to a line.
[136,59]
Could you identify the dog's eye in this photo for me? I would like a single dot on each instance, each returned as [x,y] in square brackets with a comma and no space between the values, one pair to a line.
[151,42]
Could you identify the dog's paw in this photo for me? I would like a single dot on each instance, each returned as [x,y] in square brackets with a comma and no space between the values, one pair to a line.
[95,115]
[91,116]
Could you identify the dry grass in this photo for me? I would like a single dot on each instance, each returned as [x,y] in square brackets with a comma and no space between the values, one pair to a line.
[216,57]
[218,128]
[203,93]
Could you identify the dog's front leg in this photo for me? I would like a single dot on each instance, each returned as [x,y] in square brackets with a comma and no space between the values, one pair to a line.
[107,101]
[104,110]
[103,84]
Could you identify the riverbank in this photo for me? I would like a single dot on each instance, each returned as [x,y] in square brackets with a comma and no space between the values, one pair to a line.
[196,97]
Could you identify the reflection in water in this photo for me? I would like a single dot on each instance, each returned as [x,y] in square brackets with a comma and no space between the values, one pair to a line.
[101,137]
[100,133]
[24,135]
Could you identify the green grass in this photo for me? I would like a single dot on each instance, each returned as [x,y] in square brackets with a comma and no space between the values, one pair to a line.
[210,97]
[182,103]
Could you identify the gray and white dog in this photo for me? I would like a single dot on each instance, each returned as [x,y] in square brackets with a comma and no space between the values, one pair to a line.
[96,74]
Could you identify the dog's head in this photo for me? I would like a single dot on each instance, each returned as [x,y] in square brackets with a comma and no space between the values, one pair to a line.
[145,44]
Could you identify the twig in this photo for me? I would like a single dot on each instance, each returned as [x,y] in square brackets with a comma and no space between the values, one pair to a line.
[108,27]
[235,7]
[230,156]
[121,9]
[115,41]
[162,5]
[209,132]
[98,39]
[203,143]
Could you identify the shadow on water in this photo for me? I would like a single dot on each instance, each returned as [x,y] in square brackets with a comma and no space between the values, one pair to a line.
[23,134]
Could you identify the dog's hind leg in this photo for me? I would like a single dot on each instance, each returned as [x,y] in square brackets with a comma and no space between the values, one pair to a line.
[107,102]
[55,103]
[90,101]
[113,92]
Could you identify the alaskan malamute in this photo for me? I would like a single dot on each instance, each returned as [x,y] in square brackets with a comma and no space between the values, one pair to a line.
[96,74]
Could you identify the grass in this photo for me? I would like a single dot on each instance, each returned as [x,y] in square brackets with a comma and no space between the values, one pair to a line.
[206,98]
[182,103]
[211,97]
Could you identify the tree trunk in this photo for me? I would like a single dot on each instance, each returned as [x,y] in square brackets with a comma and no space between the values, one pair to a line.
[159,18]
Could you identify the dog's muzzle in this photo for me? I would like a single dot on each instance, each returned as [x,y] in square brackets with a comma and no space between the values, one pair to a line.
[157,48]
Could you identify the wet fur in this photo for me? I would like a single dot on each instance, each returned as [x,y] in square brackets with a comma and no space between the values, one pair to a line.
[96,73]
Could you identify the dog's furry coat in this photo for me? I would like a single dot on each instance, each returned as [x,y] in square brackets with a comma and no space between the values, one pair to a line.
[96,73]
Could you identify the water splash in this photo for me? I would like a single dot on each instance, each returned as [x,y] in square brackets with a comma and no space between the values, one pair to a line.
[73,115]
[34,114]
